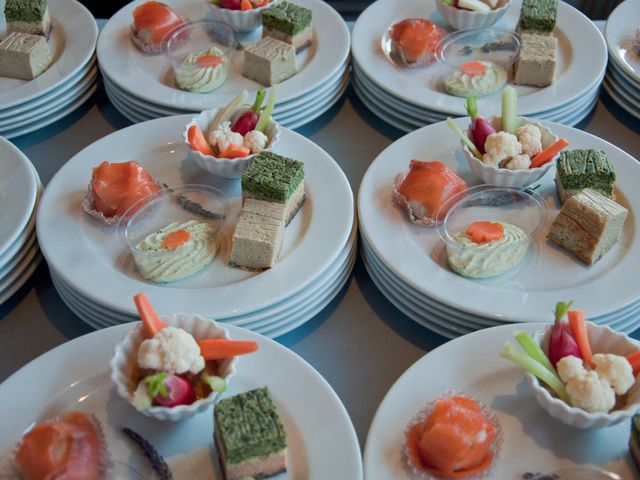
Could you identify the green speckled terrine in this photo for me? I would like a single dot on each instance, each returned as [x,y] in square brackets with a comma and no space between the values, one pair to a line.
[538,16]
[585,168]
[288,22]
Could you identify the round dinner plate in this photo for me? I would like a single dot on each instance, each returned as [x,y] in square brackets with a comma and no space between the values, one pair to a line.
[547,274]
[619,33]
[501,386]
[90,259]
[72,42]
[144,76]
[321,438]
[582,59]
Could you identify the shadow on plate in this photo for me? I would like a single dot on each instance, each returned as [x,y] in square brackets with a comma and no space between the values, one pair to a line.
[620,114]
[371,118]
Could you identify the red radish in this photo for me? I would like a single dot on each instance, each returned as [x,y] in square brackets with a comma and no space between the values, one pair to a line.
[179,392]
[562,343]
[230,4]
[249,119]
[480,128]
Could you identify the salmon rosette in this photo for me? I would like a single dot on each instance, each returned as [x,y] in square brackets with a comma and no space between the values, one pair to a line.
[152,23]
[415,41]
[454,437]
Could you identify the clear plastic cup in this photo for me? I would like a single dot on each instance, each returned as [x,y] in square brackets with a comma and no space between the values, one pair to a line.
[495,45]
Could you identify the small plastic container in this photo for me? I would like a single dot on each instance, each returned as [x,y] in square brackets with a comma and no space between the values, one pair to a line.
[523,209]
[193,39]
[505,177]
[201,203]
[461,19]
[226,167]
[602,340]
[125,355]
[495,45]
[240,20]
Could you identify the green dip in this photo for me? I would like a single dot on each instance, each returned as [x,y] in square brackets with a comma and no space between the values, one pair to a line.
[462,85]
[195,78]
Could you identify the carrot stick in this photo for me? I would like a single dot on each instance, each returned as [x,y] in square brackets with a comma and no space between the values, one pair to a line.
[217,348]
[150,320]
[634,360]
[235,151]
[548,153]
[197,140]
[579,330]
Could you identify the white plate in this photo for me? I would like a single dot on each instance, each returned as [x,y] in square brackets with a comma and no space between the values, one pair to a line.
[619,33]
[321,438]
[20,279]
[144,76]
[621,98]
[72,43]
[416,255]
[582,59]
[500,385]
[312,241]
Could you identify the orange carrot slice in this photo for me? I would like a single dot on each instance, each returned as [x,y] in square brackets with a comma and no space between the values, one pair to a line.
[175,239]
[473,69]
[150,320]
[579,330]
[246,5]
[197,140]
[217,348]
[235,151]
[548,153]
[485,232]
[634,360]
[209,61]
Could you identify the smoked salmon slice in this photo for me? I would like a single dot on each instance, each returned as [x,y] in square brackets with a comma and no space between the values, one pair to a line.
[416,40]
[152,21]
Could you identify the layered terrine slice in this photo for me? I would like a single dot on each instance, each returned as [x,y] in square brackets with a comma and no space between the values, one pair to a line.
[28,16]
[585,168]
[23,56]
[288,22]
[538,16]
[269,61]
[274,178]
[536,62]
[249,436]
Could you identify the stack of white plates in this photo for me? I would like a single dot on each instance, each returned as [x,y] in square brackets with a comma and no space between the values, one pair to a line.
[140,88]
[411,98]
[95,273]
[20,191]
[408,263]
[26,106]
[622,81]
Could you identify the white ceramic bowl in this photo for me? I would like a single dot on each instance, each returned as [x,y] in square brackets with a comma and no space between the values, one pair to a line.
[125,357]
[503,177]
[240,20]
[602,340]
[226,167]
[460,19]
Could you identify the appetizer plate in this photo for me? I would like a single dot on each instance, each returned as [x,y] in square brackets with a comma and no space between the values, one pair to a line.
[416,255]
[146,76]
[581,49]
[72,43]
[502,387]
[622,98]
[313,240]
[322,440]
[619,33]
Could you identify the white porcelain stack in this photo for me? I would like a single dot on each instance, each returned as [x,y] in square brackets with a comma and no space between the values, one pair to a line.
[411,98]
[622,81]
[27,106]
[141,88]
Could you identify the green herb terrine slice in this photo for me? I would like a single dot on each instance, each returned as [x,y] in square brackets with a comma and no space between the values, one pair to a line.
[538,16]
[580,169]
[275,178]
[28,16]
[288,22]
[249,435]
[634,439]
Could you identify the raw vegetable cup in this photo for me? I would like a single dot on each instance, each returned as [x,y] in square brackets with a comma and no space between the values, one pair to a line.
[505,177]
[239,20]
[226,167]
[602,340]
[124,360]
[462,19]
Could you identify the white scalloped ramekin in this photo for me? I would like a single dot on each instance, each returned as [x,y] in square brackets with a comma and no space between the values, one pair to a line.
[602,340]
[460,19]
[225,167]
[504,177]
[125,355]
[240,20]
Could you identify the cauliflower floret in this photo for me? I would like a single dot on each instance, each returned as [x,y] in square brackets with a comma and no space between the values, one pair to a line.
[616,370]
[256,141]
[500,146]
[591,393]
[517,162]
[530,138]
[570,367]
[222,137]
[171,350]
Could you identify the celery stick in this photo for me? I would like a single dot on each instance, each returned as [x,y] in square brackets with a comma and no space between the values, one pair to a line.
[529,345]
[217,384]
[464,138]
[509,110]
[265,116]
[472,107]
[534,367]
[447,2]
